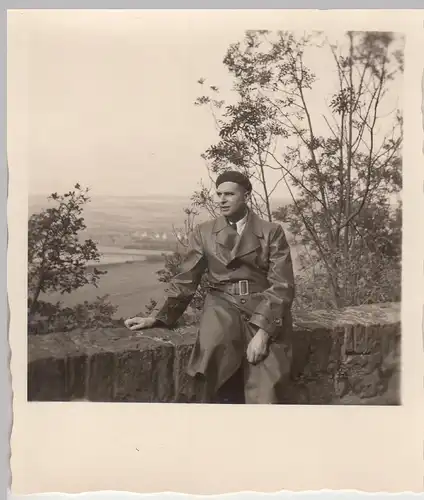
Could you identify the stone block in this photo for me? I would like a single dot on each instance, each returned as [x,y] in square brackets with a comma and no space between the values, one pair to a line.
[144,375]
[100,376]
[46,379]
[56,369]
[76,377]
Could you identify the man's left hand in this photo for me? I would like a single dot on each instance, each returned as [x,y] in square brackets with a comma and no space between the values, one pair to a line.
[257,349]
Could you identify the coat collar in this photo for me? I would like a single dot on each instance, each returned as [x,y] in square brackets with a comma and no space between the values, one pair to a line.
[253,224]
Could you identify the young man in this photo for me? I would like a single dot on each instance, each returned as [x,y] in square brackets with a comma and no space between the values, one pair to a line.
[243,347]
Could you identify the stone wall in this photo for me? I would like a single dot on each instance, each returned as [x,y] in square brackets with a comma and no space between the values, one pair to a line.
[340,357]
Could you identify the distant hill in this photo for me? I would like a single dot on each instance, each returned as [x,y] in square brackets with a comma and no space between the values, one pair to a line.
[121,220]
[140,213]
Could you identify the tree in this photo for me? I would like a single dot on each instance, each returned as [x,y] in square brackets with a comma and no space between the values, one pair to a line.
[58,261]
[342,167]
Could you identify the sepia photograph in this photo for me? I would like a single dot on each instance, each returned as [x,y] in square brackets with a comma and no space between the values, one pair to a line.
[217,209]
[213,217]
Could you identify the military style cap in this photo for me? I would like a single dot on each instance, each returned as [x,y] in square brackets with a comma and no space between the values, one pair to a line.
[234,176]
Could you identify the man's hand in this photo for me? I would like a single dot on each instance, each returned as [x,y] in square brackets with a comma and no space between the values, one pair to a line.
[139,323]
[257,349]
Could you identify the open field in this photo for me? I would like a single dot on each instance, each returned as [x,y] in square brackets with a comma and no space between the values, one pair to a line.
[117,255]
[130,286]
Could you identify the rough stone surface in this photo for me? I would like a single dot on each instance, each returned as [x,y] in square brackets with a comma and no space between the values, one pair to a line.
[339,357]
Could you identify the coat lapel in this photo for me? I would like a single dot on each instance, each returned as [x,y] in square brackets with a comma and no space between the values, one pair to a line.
[248,242]
[224,235]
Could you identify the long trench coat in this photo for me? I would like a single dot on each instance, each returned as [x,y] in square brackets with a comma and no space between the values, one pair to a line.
[260,255]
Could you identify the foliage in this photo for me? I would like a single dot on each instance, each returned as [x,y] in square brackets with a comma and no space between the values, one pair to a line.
[342,175]
[57,262]
[53,318]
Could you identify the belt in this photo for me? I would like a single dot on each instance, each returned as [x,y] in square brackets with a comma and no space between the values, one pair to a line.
[242,287]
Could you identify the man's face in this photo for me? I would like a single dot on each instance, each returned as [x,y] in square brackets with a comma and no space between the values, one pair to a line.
[232,198]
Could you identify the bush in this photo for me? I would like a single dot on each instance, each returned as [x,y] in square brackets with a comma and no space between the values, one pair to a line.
[53,318]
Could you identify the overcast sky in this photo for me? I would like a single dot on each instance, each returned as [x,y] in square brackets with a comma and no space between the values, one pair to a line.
[106,98]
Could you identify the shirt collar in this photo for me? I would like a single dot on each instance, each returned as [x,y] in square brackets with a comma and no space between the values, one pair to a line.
[241,222]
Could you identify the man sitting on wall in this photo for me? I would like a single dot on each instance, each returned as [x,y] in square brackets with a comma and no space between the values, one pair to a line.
[243,347]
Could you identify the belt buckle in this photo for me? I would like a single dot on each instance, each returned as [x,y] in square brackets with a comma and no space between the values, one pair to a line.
[246,283]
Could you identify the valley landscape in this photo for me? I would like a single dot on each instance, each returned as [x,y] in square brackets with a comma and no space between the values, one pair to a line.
[133,234]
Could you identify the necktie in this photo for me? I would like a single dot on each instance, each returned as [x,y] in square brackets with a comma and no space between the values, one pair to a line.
[233,236]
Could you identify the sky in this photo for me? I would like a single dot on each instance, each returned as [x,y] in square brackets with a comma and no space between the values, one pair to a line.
[106,98]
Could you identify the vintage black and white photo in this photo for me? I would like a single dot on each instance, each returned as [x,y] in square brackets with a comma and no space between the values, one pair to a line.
[216,217]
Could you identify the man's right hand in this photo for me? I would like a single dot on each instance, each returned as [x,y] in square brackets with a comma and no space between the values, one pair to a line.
[139,323]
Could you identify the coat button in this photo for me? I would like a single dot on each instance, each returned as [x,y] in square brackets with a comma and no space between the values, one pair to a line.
[243,301]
